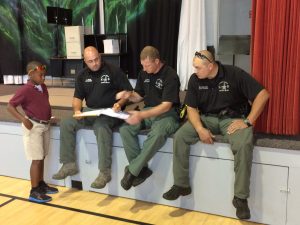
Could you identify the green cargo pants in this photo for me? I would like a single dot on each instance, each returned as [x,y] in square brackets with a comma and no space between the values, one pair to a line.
[160,128]
[241,143]
[102,126]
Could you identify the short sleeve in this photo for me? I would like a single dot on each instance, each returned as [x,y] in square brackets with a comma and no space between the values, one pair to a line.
[79,89]
[17,99]
[191,95]
[139,85]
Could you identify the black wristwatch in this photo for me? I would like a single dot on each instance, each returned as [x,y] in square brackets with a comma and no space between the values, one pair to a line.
[247,122]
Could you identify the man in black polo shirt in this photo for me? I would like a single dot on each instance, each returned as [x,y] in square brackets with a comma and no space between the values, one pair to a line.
[158,85]
[97,84]
[218,102]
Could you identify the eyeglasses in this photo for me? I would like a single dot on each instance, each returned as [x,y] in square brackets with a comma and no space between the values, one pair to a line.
[38,68]
[201,56]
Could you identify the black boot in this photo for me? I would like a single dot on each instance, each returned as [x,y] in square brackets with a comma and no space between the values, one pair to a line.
[242,209]
[143,175]
[127,180]
[176,191]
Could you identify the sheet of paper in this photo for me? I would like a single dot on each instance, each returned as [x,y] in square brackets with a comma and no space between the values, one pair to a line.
[112,113]
[107,112]
[89,113]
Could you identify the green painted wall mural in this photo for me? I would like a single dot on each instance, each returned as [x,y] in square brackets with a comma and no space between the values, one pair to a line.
[9,24]
[25,34]
[119,12]
[24,27]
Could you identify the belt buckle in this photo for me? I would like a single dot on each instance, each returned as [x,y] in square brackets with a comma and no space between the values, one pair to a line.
[40,121]
[44,121]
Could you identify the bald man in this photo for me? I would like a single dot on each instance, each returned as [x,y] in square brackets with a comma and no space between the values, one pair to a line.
[98,85]
[217,102]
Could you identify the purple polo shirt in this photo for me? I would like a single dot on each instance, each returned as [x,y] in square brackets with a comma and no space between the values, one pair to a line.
[34,103]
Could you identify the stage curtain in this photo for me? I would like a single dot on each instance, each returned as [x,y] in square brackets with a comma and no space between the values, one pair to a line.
[157,24]
[276,63]
[192,37]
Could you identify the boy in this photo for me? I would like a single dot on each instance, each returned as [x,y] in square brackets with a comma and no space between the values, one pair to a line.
[34,100]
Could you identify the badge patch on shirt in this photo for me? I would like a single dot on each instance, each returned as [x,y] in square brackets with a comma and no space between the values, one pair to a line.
[159,84]
[105,79]
[223,86]
[203,87]
[88,80]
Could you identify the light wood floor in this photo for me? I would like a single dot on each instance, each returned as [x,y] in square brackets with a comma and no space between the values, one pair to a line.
[75,207]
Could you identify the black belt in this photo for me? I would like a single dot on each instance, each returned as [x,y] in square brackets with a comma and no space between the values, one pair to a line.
[225,115]
[211,114]
[40,121]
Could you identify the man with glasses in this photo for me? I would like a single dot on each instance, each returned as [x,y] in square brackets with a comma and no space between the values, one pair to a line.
[217,102]
[98,85]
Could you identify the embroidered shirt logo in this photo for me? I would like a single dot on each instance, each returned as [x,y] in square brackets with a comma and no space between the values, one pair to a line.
[105,79]
[88,80]
[147,81]
[159,84]
[203,87]
[223,86]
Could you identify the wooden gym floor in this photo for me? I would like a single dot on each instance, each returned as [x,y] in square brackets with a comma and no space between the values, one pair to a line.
[75,207]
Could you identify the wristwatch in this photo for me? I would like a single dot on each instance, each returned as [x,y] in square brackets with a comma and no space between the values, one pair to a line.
[247,122]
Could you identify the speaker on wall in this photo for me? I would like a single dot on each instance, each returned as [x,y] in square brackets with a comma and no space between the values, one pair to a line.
[56,67]
[59,16]
[72,67]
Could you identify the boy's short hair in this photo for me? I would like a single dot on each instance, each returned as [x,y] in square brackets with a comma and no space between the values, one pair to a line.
[151,52]
[32,66]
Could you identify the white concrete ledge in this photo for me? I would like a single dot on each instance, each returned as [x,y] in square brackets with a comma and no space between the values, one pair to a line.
[275,183]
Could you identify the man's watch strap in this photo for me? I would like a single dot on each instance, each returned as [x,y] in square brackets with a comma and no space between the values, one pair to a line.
[247,122]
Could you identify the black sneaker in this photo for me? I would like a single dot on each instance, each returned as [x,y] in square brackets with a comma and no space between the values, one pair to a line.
[242,209]
[127,180]
[176,191]
[143,175]
[47,189]
[37,195]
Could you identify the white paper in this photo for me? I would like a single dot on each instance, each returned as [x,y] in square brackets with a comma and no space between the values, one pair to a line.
[108,112]
[111,46]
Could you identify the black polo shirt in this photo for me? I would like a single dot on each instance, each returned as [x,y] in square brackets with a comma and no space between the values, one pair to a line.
[160,87]
[99,88]
[231,88]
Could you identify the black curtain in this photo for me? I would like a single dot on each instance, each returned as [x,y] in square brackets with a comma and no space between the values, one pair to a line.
[158,26]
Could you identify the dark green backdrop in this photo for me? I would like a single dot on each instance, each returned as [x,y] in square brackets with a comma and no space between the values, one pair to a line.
[25,34]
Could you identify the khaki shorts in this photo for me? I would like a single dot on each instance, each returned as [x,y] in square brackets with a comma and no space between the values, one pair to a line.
[36,141]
